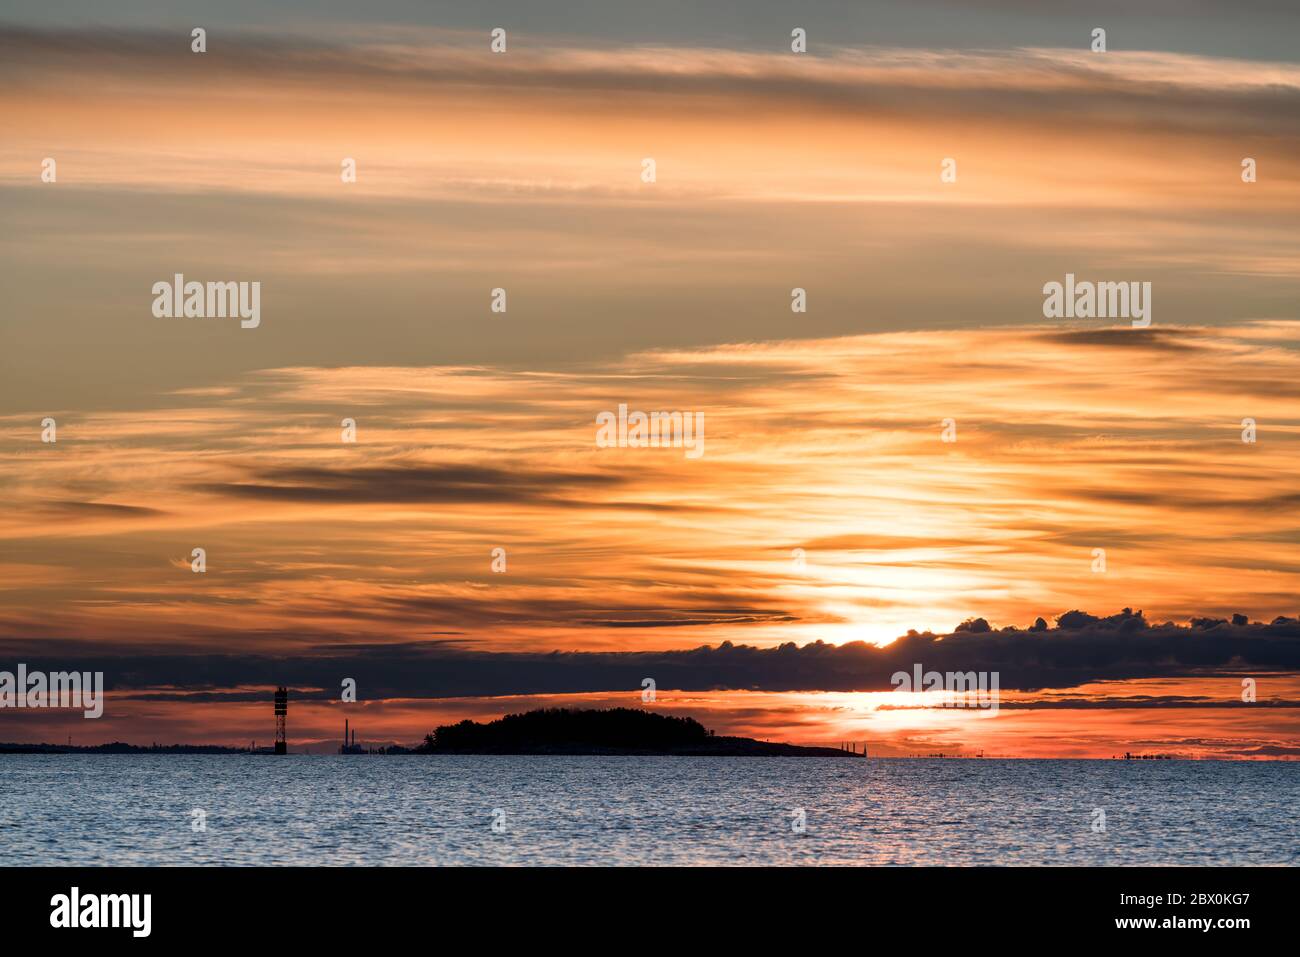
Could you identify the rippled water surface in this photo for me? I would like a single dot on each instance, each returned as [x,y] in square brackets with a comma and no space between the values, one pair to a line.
[83,809]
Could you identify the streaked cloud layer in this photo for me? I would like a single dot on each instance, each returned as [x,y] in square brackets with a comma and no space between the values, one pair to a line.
[478,171]
[1067,440]
[450,120]
[477,430]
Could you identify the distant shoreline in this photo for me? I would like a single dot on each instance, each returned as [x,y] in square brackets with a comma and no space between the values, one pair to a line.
[118,747]
[761,749]
[717,748]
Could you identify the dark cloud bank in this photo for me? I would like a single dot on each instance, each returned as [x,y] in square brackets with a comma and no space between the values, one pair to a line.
[433,484]
[1080,649]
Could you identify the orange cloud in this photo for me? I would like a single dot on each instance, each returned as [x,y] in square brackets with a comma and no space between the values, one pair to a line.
[1068,440]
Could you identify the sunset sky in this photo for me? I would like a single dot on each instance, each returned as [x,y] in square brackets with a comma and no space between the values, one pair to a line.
[826,507]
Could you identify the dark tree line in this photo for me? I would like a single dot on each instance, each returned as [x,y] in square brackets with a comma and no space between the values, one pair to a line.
[558,727]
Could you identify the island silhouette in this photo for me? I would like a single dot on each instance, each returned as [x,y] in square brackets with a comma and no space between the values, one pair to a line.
[604,731]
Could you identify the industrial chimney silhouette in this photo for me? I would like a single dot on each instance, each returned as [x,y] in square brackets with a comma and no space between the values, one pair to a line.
[349,740]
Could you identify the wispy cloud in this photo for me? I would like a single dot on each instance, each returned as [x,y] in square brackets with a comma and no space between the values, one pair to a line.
[561,123]
[1124,440]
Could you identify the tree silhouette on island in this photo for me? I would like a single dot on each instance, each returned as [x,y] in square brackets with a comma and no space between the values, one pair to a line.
[603,731]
